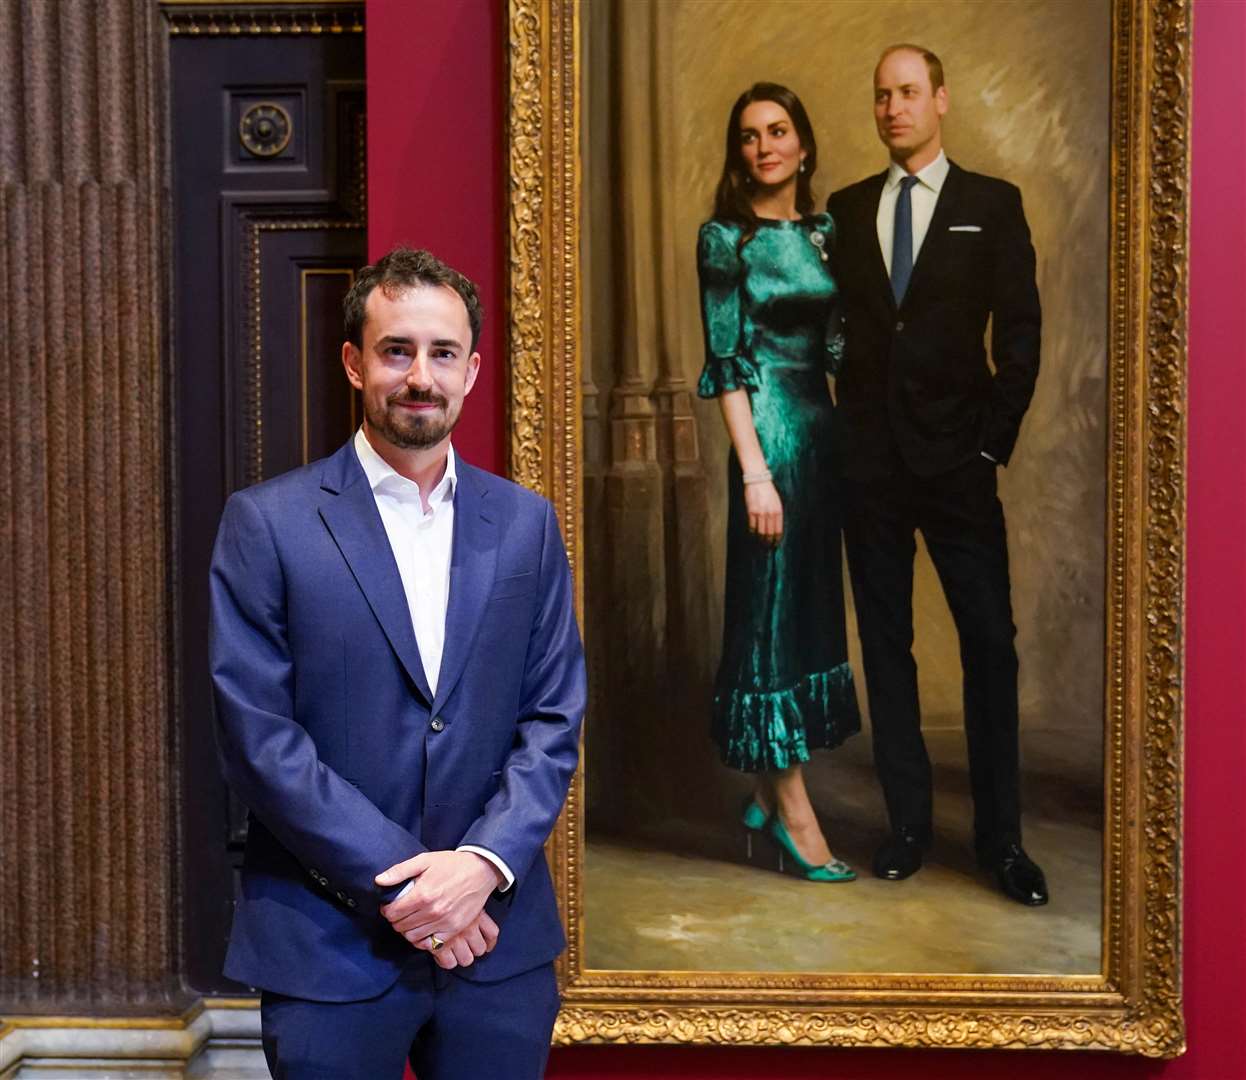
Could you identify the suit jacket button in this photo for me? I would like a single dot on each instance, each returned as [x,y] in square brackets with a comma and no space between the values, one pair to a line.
[899,327]
[438,724]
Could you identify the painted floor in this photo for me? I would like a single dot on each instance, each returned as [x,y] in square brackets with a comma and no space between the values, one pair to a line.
[690,901]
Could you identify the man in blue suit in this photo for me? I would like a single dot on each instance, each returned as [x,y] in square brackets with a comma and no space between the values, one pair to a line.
[399,685]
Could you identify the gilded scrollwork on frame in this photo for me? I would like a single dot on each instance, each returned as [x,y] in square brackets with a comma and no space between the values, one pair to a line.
[1134,1003]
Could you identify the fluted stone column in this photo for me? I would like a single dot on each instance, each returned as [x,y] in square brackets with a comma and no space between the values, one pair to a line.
[87,819]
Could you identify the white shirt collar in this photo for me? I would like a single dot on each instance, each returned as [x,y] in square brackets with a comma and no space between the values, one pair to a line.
[932,176]
[381,474]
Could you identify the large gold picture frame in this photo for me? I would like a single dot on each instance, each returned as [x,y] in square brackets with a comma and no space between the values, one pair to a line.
[1134,1003]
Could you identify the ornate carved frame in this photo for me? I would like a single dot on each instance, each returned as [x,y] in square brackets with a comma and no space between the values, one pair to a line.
[1134,1004]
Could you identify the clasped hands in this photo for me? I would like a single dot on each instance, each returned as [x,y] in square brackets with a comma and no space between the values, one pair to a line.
[446,898]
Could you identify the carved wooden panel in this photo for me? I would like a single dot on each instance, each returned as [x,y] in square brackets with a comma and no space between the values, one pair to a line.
[268,154]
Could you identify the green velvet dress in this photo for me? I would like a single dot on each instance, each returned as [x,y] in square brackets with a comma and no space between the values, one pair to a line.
[772,327]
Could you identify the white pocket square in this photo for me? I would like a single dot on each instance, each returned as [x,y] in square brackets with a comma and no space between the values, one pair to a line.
[964,228]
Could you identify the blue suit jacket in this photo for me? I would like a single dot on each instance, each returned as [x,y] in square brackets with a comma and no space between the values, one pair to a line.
[326,723]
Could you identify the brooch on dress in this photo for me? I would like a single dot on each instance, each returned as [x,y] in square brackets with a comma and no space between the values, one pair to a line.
[818,240]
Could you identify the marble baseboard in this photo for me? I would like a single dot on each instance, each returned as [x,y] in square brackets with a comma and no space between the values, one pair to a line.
[214,1041]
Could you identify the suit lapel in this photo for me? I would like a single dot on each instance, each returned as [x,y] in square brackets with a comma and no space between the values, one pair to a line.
[931,254]
[473,566]
[350,514]
[880,281]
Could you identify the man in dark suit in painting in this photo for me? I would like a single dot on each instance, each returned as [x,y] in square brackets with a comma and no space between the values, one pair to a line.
[928,254]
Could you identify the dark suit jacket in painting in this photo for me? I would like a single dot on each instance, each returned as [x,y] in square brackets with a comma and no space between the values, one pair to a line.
[915,379]
[347,762]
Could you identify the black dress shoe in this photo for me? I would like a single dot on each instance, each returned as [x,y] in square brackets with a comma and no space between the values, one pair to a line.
[1018,875]
[901,855]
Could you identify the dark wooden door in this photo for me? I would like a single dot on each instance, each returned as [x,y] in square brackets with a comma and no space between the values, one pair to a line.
[268,192]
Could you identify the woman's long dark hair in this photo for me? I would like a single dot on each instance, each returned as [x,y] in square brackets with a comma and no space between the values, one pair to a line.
[733,200]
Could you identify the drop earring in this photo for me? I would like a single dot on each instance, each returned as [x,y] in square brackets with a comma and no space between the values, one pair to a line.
[802,164]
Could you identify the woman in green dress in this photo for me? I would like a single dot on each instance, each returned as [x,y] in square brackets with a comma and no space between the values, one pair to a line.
[769,306]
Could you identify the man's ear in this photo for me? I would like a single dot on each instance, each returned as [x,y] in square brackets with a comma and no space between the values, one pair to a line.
[941,100]
[473,369]
[352,361]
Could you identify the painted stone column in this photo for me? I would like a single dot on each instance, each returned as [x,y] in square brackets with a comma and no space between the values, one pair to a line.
[87,818]
[626,623]
[647,562]
[687,678]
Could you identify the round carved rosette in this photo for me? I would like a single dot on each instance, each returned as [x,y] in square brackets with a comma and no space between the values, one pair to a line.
[265,129]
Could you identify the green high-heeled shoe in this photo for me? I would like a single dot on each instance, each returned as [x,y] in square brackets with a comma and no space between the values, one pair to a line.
[754,819]
[835,870]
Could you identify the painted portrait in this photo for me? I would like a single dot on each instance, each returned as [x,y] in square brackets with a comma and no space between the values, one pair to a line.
[676,876]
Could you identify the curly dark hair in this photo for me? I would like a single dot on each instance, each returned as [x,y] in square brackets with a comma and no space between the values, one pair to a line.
[405,268]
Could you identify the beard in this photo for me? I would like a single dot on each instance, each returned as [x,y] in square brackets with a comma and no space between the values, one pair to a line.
[412,431]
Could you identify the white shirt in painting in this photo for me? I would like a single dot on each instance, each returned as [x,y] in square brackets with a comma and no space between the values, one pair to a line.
[925,194]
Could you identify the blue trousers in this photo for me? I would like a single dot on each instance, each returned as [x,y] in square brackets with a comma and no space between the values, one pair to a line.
[447,1027]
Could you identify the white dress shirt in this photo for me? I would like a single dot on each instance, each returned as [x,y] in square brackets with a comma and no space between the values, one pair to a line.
[421,543]
[925,194]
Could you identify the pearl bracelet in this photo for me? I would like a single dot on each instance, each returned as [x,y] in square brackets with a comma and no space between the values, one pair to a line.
[757,477]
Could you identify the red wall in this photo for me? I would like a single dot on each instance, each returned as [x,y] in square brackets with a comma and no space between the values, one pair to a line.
[437,168]
[436,88]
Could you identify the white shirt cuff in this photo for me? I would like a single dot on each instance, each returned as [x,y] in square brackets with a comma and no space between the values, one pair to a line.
[488,855]
[496,860]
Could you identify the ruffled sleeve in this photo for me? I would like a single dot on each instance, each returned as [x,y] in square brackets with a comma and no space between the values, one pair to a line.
[721,276]
[834,339]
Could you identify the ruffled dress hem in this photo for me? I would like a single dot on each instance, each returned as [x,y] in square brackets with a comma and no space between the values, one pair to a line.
[760,731]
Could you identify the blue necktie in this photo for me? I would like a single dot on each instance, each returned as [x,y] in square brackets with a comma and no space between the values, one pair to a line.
[902,240]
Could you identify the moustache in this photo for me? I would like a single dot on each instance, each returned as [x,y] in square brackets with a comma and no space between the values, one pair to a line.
[417,397]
